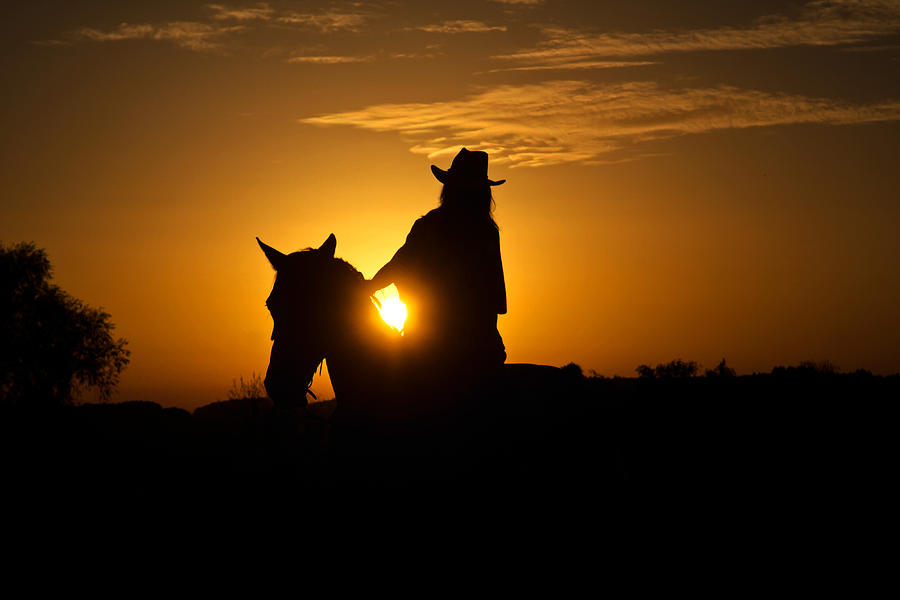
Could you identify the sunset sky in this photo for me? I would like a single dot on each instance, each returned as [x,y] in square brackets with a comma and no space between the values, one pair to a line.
[685,179]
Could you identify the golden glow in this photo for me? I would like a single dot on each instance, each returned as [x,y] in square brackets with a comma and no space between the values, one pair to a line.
[651,211]
[392,310]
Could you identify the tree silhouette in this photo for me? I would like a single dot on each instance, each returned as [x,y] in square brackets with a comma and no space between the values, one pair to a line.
[54,345]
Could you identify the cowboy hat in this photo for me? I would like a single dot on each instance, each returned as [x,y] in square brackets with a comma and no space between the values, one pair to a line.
[468,169]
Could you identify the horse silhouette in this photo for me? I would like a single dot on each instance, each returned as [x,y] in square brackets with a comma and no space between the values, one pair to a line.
[321,309]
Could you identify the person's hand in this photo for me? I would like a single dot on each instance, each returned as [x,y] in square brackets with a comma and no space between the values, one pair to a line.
[372,286]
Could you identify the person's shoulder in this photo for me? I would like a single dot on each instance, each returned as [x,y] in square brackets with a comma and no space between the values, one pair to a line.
[421,225]
[433,215]
[429,220]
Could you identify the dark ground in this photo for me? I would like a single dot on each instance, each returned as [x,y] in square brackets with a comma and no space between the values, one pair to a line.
[818,447]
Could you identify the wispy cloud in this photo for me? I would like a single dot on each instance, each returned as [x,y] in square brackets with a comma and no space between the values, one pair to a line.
[327,20]
[329,60]
[260,12]
[820,23]
[49,43]
[415,55]
[460,27]
[576,121]
[580,65]
[186,34]
[225,20]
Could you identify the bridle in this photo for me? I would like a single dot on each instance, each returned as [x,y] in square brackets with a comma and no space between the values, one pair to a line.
[318,367]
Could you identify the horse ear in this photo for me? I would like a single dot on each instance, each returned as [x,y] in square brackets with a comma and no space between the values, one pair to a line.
[329,246]
[275,257]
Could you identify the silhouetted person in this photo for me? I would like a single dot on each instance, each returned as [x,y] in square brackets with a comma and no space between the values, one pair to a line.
[450,275]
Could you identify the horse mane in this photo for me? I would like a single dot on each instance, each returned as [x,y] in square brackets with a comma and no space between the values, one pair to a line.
[345,273]
[341,276]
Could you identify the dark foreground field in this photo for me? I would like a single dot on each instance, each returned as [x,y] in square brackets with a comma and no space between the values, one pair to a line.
[814,442]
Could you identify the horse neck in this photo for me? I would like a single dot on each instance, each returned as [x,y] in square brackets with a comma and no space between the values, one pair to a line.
[359,352]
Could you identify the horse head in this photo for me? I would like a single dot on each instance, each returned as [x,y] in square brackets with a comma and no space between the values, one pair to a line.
[305,303]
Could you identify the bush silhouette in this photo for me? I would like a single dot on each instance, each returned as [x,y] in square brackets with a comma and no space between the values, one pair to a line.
[573,370]
[251,389]
[721,370]
[645,372]
[54,345]
[676,368]
[807,368]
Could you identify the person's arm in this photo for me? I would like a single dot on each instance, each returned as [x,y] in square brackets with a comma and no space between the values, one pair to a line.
[395,267]
[385,275]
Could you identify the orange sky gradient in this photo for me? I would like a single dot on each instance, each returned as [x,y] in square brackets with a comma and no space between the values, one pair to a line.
[685,179]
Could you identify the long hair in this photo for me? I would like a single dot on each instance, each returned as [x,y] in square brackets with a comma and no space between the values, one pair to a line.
[476,203]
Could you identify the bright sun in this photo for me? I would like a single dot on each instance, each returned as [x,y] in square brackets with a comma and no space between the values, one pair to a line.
[392,310]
